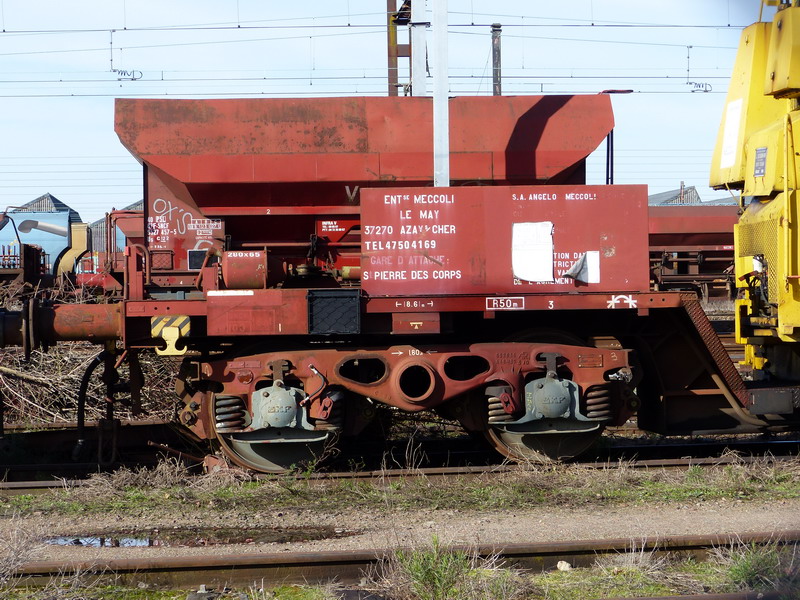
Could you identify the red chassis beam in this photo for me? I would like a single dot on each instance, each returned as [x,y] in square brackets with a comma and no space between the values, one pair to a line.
[284,312]
[106,322]
[415,378]
[491,304]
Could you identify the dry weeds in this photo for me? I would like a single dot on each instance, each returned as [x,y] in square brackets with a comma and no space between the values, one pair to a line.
[169,474]
[643,562]
[18,546]
[45,389]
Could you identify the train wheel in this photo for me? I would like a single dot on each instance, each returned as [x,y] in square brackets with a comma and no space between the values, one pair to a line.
[541,442]
[540,447]
[266,449]
[260,451]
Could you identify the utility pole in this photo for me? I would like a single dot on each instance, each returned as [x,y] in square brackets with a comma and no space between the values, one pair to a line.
[394,18]
[496,84]
[419,54]
[441,108]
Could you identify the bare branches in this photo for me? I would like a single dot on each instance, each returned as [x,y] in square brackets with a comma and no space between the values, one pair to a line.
[45,389]
[24,376]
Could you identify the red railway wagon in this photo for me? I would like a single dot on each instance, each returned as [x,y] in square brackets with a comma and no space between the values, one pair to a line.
[294,252]
[691,249]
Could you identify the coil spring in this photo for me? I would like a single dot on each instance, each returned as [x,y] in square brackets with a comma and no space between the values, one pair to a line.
[497,414]
[229,414]
[597,402]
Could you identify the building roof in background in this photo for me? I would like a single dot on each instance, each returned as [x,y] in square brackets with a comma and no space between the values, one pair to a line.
[685,195]
[722,202]
[48,203]
[138,205]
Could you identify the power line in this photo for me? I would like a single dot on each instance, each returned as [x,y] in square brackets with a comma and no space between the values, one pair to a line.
[378,91]
[181,44]
[506,77]
[109,194]
[46,173]
[591,77]
[592,22]
[186,26]
[172,29]
[81,158]
[357,73]
[623,42]
[377,30]
[88,176]
[16,187]
[75,156]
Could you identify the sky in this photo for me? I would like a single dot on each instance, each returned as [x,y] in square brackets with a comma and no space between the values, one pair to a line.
[63,63]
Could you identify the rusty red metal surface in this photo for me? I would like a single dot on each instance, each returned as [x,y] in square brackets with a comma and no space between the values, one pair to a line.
[503,240]
[360,139]
[257,312]
[130,223]
[419,377]
[244,269]
[693,226]
[524,302]
[73,322]
[691,248]
[276,170]
[421,322]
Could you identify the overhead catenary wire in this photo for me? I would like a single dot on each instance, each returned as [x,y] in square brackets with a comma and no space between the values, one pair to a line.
[598,41]
[144,81]
[312,93]
[188,26]
[350,25]
[357,73]
[590,22]
[183,44]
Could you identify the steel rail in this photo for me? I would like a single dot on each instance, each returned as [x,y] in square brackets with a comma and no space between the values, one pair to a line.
[71,425]
[32,487]
[347,567]
[665,463]
[731,596]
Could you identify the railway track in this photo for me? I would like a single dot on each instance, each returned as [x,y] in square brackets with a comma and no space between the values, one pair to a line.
[348,567]
[732,596]
[33,487]
[62,450]
[674,456]
[436,454]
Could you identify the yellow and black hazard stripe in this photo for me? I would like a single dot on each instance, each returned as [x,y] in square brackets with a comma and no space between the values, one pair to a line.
[181,322]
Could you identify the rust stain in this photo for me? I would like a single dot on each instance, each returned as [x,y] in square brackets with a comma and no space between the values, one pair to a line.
[328,138]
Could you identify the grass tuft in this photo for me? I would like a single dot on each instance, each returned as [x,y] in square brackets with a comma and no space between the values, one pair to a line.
[440,573]
[760,568]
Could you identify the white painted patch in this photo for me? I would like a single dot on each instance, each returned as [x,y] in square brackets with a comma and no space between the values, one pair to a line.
[593,265]
[532,251]
[230,293]
[730,135]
